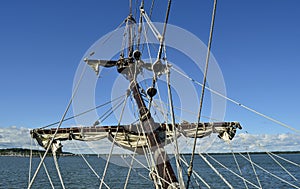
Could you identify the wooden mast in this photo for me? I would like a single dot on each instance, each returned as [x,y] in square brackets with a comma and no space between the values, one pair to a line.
[163,165]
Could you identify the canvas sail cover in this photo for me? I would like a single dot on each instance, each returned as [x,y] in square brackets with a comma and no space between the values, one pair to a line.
[127,136]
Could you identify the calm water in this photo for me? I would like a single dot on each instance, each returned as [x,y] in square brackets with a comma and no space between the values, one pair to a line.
[76,174]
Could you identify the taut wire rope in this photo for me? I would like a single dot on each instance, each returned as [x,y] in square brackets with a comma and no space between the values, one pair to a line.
[45,168]
[254,170]
[30,161]
[60,123]
[203,90]
[82,113]
[88,164]
[234,173]
[58,171]
[238,166]
[178,164]
[272,174]
[113,143]
[239,104]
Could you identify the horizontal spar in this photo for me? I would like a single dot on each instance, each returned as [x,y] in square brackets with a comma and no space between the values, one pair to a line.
[128,136]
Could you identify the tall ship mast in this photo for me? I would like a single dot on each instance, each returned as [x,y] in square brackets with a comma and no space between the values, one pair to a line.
[147,132]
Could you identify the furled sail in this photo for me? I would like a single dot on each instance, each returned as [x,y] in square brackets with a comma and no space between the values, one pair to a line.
[127,136]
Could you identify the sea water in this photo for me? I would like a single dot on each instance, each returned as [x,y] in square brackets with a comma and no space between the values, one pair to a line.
[76,173]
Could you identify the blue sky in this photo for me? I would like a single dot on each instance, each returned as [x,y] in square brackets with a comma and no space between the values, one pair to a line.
[256,44]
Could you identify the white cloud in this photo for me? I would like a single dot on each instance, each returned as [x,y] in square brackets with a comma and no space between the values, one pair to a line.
[14,137]
[259,143]
[19,137]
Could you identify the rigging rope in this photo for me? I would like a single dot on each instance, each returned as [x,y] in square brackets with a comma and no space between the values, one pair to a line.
[194,177]
[150,15]
[238,103]
[216,171]
[178,164]
[136,8]
[113,143]
[30,161]
[82,113]
[60,123]
[155,174]
[293,163]
[47,173]
[187,141]
[203,89]
[254,170]
[237,164]
[144,177]
[234,173]
[279,178]
[148,155]
[112,33]
[151,155]
[140,27]
[162,39]
[151,8]
[45,168]
[122,50]
[278,163]
[109,112]
[195,173]
[58,171]
[130,6]
[159,149]
[131,163]
[88,164]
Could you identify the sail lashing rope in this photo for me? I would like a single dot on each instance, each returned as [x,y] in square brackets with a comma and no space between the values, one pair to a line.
[203,90]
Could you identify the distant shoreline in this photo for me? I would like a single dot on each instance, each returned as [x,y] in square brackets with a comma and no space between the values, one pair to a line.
[20,152]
